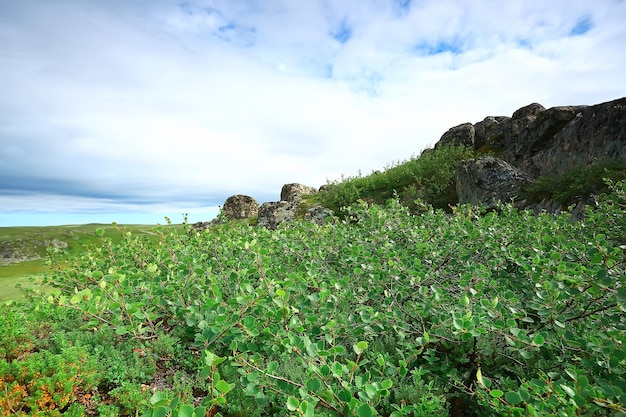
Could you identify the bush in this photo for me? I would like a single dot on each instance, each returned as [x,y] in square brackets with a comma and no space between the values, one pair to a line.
[429,177]
[382,313]
[577,182]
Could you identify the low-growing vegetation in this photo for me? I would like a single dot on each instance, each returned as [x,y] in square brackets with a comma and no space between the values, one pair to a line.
[378,313]
[429,178]
[577,182]
[23,250]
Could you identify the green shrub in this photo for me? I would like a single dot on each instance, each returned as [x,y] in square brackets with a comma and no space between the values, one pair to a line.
[429,177]
[381,313]
[42,382]
[577,182]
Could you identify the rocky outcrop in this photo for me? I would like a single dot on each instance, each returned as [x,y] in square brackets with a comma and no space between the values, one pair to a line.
[273,213]
[293,192]
[489,133]
[240,206]
[318,215]
[459,135]
[550,141]
[487,181]
[22,250]
[533,142]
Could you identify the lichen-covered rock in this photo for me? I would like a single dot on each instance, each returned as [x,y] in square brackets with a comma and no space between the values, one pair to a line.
[551,141]
[293,192]
[575,136]
[530,111]
[488,180]
[273,213]
[318,215]
[458,135]
[240,207]
[201,226]
[489,133]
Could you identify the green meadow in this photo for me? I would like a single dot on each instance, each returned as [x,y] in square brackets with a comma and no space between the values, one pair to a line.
[32,242]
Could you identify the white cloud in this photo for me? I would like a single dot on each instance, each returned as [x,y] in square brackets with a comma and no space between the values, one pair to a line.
[190,102]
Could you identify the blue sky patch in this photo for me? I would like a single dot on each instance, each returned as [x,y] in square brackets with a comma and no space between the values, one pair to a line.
[403,6]
[343,33]
[583,26]
[439,48]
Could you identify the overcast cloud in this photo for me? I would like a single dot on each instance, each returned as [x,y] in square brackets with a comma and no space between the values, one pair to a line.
[169,107]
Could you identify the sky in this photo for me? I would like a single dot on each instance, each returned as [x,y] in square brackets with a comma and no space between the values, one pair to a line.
[128,111]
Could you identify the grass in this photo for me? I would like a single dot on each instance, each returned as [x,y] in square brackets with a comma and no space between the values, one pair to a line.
[12,277]
[35,239]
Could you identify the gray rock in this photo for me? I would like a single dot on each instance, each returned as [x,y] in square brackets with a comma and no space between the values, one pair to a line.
[488,180]
[273,213]
[240,207]
[201,226]
[293,192]
[530,111]
[546,142]
[318,215]
[56,243]
[458,135]
[490,133]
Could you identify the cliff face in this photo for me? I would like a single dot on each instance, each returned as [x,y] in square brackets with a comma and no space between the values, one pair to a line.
[550,141]
[539,141]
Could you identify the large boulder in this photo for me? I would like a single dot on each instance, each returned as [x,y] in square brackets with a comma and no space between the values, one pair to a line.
[318,214]
[574,136]
[488,180]
[240,207]
[273,213]
[293,192]
[528,112]
[489,133]
[458,135]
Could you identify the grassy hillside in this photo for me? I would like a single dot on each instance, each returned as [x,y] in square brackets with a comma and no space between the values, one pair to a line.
[31,243]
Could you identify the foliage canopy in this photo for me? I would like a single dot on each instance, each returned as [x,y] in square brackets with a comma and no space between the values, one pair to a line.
[380,313]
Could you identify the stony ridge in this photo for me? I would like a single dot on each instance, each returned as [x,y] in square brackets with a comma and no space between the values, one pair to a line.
[533,141]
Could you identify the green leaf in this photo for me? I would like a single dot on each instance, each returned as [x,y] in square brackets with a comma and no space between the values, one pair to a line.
[513,398]
[621,298]
[344,395]
[159,398]
[205,372]
[365,410]
[465,300]
[538,340]
[568,390]
[200,411]
[292,403]
[121,330]
[307,409]
[359,347]
[186,411]
[314,384]
[223,386]
[159,412]
[386,384]
[479,377]
[211,359]
[272,367]
[496,393]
